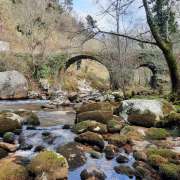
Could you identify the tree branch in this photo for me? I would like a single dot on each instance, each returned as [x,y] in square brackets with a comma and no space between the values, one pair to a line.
[128,37]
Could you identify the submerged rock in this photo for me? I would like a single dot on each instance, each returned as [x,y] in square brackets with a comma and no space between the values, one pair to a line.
[122,159]
[13,85]
[92,173]
[88,125]
[91,139]
[50,165]
[125,170]
[74,154]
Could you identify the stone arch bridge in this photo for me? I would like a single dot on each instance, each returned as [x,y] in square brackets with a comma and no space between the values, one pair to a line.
[76,58]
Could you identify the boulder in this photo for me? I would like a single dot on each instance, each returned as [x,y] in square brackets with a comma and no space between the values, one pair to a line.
[50,165]
[97,106]
[3,153]
[110,151]
[144,112]
[91,139]
[122,159]
[74,155]
[125,170]
[99,116]
[8,147]
[9,122]
[114,126]
[12,171]
[92,173]
[88,125]
[13,85]
[95,154]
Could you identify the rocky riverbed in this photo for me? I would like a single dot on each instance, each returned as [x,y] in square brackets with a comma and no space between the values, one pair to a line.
[134,139]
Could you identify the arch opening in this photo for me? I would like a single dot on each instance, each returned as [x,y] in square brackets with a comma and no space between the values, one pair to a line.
[88,68]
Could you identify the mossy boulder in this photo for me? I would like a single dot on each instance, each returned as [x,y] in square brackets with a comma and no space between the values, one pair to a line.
[146,113]
[9,137]
[117,140]
[169,120]
[12,171]
[32,119]
[114,126]
[97,106]
[170,171]
[156,160]
[74,155]
[110,151]
[88,125]
[9,122]
[157,134]
[91,138]
[132,133]
[99,116]
[3,153]
[140,155]
[125,170]
[165,153]
[53,165]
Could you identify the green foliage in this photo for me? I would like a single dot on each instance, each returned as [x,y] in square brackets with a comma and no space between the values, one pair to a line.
[156,160]
[157,134]
[53,63]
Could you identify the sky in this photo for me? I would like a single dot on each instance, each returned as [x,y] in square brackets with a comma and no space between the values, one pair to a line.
[84,7]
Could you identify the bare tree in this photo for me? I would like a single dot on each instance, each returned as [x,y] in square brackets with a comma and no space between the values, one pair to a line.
[162,24]
[36,21]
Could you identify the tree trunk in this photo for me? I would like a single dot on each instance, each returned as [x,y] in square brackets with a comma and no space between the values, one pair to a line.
[173,69]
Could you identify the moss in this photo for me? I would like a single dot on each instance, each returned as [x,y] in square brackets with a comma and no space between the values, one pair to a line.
[170,171]
[117,140]
[157,134]
[145,119]
[32,119]
[9,137]
[12,171]
[166,153]
[131,133]
[88,125]
[156,160]
[47,161]
[170,120]
[177,108]
[114,126]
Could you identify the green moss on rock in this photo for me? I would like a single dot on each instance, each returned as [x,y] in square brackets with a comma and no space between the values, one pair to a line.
[114,126]
[117,140]
[9,137]
[157,134]
[88,125]
[54,165]
[170,171]
[156,160]
[166,153]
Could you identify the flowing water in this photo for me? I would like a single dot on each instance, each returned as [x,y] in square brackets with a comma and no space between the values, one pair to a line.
[52,121]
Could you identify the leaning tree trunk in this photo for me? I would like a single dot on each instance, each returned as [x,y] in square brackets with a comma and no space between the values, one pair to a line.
[173,69]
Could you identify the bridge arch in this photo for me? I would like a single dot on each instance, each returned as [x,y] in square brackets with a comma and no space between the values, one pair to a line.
[84,57]
[153,81]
